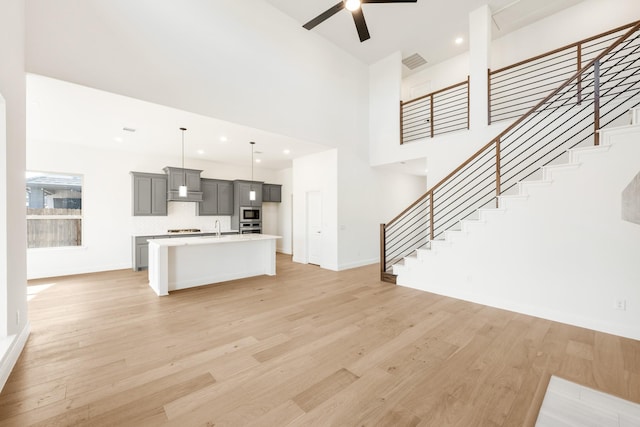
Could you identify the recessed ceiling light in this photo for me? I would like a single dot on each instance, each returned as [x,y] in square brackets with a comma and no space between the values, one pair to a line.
[223,139]
[258,160]
[459,40]
[200,151]
[118,139]
[286,152]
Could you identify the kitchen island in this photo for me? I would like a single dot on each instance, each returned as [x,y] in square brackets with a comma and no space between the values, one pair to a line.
[186,262]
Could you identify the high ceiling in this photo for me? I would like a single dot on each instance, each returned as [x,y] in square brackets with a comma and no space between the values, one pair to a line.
[110,45]
[98,119]
[428,27]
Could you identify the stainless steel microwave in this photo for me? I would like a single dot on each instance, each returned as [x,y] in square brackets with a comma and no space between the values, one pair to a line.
[250,214]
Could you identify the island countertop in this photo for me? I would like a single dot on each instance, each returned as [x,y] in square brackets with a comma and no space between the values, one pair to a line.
[183,233]
[185,262]
[209,240]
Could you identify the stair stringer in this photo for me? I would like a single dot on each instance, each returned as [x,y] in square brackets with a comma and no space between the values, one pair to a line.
[562,252]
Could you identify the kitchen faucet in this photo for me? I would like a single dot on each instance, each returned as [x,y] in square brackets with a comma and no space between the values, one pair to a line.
[216,225]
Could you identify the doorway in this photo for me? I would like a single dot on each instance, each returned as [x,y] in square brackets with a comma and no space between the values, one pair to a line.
[314,227]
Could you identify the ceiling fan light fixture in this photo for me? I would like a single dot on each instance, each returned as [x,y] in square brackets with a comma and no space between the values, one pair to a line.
[352,5]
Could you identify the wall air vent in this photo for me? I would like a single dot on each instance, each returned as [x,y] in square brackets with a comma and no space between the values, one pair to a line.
[414,61]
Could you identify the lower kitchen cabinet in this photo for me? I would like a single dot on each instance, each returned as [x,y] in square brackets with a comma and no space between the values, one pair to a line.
[140,252]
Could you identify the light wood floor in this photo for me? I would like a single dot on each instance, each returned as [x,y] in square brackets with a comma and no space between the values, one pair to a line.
[308,347]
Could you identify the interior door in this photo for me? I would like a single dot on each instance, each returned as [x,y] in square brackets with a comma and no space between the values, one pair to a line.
[314,227]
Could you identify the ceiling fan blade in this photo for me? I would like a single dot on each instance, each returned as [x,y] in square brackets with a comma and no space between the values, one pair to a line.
[324,15]
[388,1]
[361,25]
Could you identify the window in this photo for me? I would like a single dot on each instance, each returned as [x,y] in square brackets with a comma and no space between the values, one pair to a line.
[54,210]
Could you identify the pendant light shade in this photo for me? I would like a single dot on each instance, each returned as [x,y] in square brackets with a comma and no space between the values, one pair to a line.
[182,190]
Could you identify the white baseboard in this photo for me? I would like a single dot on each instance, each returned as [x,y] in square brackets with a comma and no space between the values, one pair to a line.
[74,271]
[361,263]
[11,351]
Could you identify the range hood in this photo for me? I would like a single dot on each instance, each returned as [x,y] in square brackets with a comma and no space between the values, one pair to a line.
[177,177]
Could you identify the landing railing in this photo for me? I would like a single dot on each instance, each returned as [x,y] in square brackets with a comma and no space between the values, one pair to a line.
[600,92]
[436,113]
[515,89]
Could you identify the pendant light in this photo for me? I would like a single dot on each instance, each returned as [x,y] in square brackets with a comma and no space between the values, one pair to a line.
[252,193]
[182,190]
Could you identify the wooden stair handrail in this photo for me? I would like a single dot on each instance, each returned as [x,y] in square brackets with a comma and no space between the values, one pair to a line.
[560,49]
[462,83]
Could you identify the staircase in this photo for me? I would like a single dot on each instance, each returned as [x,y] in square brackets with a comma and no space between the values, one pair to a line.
[531,222]
[557,249]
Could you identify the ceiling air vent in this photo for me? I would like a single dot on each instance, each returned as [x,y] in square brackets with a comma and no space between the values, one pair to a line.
[414,61]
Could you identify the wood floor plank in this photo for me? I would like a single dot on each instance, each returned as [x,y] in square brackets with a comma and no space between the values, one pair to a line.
[306,347]
[321,391]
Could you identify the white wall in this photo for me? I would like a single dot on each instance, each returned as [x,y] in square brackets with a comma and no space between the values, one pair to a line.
[285,212]
[107,221]
[563,254]
[368,197]
[444,153]
[317,172]
[14,327]
[269,73]
[585,19]
[244,62]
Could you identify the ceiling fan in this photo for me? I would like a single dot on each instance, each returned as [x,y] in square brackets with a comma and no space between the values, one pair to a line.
[354,7]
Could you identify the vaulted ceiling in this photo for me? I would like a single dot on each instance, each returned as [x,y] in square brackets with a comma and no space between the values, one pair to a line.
[427,27]
[240,69]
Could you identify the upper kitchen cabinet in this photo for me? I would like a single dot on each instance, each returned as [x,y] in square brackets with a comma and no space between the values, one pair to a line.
[272,193]
[242,190]
[217,197]
[149,194]
[177,177]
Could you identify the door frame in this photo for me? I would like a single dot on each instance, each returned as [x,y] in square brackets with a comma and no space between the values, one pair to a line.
[307,228]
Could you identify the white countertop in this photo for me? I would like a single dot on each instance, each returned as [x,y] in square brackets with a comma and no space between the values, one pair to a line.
[208,240]
[183,234]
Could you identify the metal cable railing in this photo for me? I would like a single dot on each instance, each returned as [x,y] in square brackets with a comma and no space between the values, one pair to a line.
[603,90]
[515,89]
[443,111]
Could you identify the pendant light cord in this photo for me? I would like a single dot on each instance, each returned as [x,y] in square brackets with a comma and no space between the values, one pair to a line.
[184,173]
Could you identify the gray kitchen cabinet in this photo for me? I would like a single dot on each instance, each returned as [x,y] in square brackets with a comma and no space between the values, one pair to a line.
[242,189]
[272,193]
[178,177]
[225,198]
[141,252]
[149,194]
[217,197]
[142,255]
